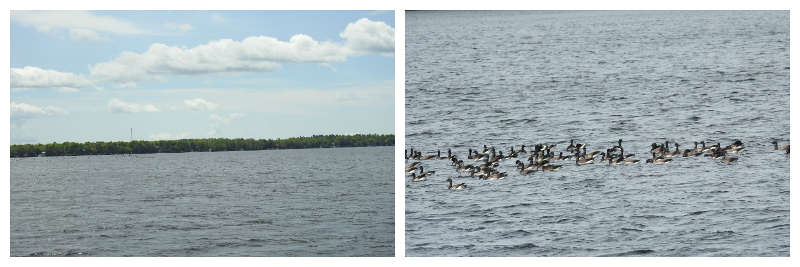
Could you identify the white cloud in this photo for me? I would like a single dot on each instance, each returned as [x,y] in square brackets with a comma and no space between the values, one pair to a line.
[252,54]
[178,27]
[45,21]
[117,106]
[84,35]
[199,104]
[168,136]
[217,121]
[366,36]
[22,111]
[33,77]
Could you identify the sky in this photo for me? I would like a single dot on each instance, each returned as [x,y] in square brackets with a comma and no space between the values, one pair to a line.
[93,75]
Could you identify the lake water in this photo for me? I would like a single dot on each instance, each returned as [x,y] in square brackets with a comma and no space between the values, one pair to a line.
[496,78]
[307,202]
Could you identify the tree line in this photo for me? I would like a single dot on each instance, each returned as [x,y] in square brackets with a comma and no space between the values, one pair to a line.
[197,145]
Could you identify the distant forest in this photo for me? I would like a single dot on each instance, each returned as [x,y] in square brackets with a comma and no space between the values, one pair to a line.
[192,145]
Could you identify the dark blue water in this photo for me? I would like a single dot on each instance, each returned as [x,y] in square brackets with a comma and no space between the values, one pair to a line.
[498,78]
[309,202]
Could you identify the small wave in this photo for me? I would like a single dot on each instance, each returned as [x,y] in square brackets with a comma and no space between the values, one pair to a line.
[698,212]
[259,221]
[785,225]
[516,233]
[522,246]
[637,252]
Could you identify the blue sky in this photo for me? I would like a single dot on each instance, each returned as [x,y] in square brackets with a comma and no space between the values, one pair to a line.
[91,76]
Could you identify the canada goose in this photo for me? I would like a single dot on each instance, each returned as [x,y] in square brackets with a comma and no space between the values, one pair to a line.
[787,151]
[717,154]
[737,144]
[559,157]
[627,161]
[668,154]
[571,146]
[583,161]
[418,178]
[786,147]
[619,144]
[707,149]
[465,169]
[423,173]
[523,166]
[622,153]
[692,153]
[614,161]
[590,154]
[733,149]
[495,175]
[548,167]
[658,148]
[455,186]
[427,157]
[657,159]
[526,171]
[478,173]
[412,165]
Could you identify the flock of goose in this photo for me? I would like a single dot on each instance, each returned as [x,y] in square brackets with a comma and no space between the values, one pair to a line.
[542,158]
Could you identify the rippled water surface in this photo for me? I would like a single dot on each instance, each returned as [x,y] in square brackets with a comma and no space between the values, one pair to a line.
[513,78]
[309,202]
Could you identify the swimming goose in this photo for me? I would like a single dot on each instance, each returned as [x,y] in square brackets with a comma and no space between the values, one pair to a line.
[786,147]
[548,167]
[727,159]
[590,154]
[523,166]
[707,149]
[522,150]
[733,149]
[619,144]
[737,144]
[455,186]
[495,175]
[627,161]
[622,153]
[571,146]
[412,165]
[787,151]
[657,159]
[423,173]
[657,148]
[417,178]
[427,157]
[583,161]
[668,154]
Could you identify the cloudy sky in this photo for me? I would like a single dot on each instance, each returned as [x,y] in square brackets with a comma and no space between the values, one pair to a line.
[92,76]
